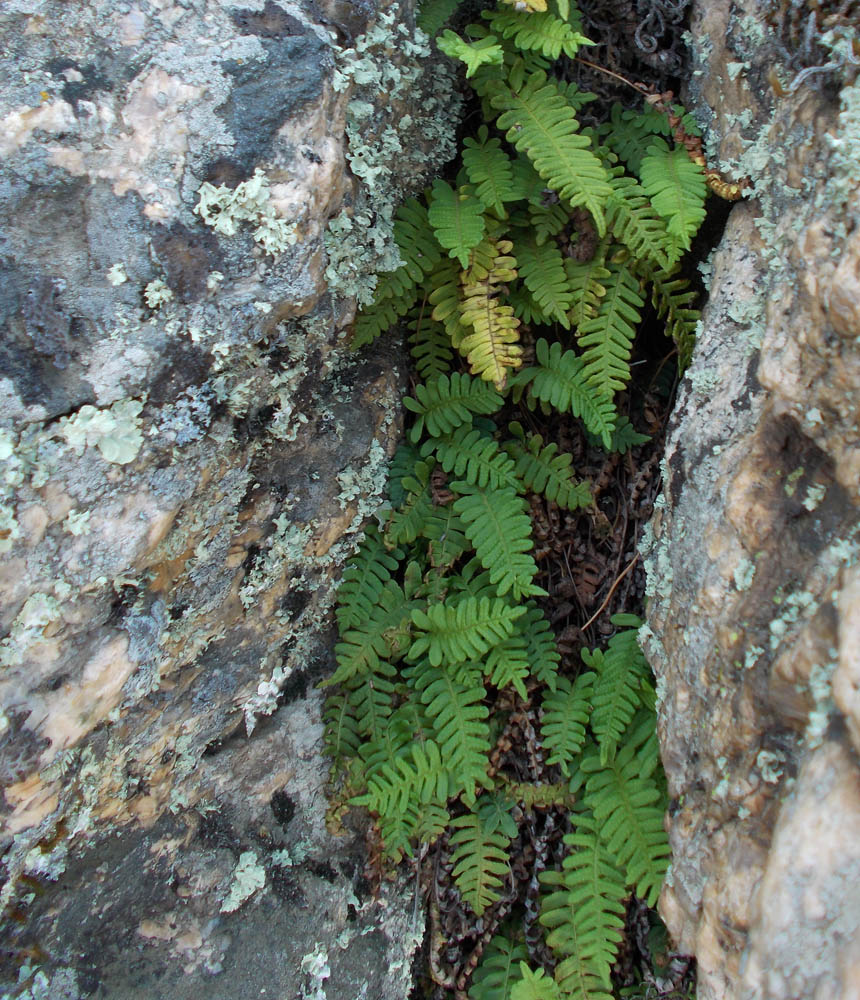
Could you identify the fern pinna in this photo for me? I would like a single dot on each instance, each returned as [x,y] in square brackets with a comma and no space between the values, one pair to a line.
[524,277]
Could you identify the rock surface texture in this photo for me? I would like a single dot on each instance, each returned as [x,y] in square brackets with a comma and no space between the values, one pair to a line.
[754,580]
[188,452]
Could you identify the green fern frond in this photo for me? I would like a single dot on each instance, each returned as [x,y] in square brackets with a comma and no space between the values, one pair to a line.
[541,123]
[619,671]
[445,532]
[542,271]
[531,796]
[538,32]
[483,52]
[586,282]
[676,187]
[480,860]
[559,380]
[432,15]
[443,403]
[367,572]
[378,317]
[458,717]
[445,298]
[584,913]
[371,702]
[625,436]
[462,630]
[633,222]
[499,969]
[402,465]
[471,455]
[457,218]
[490,171]
[542,470]
[342,736]
[565,716]
[608,338]
[540,643]
[421,777]
[508,664]
[629,811]
[368,647]
[671,296]
[430,346]
[500,530]
[407,522]
[535,985]
[525,308]
[546,221]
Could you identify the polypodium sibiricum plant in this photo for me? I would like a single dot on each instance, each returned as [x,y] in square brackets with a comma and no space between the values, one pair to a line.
[560,231]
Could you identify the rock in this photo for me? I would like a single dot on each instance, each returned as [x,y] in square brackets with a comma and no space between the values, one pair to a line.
[752,619]
[189,453]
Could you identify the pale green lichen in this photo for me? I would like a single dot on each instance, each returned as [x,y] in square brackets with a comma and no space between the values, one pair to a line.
[157,294]
[814,495]
[248,876]
[769,764]
[115,431]
[316,968]
[744,573]
[116,275]
[77,522]
[226,209]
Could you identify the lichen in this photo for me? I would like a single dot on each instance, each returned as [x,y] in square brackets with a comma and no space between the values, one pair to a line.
[226,209]
[115,431]
[248,876]
[157,293]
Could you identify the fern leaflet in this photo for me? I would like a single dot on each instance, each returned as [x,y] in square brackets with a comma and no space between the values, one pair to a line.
[540,32]
[490,170]
[475,457]
[499,970]
[676,187]
[535,985]
[457,218]
[430,347]
[542,270]
[464,630]
[586,283]
[565,715]
[444,403]
[480,861]
[542,470]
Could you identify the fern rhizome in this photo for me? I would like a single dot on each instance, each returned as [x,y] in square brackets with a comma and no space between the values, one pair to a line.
[524,277]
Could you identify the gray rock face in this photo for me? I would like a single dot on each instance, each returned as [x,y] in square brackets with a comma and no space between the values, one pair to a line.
[189,451]
[752,621]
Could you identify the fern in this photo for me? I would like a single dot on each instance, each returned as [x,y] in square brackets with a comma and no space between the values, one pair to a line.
[457,218]
[364,578]
[629,809]
[559,380]
[607,339]
[444,403]
[672,296]
[542,470]
[542,124]
[480,861]
[490,346]
[459,727]
[535,985]
[490,171]
[407,522]
[565,715]
[433,14]
[430,347]
[542,269]
[540,32]
[477,458]
[584,915]
[464,630]
[483,52]
[620,672]
[676,187]
[500,530]
[540,644]
[499,971]
[546,221]
[634,223]
[586,284]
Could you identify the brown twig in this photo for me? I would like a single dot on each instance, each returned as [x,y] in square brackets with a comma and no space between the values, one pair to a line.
[608,597]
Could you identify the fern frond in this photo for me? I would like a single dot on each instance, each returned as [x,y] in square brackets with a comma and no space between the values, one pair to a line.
[565,715]
[483,52]
[499,970]
[371,702]
[633,222]
[419,777]
[584,913]
[540,643]
[402,465]
[433,14]
[380,316]
[546,221]
[542,271]
[671,297]
[465,630]
[541,123]
[535,985]
[445,298]
[500,530]
[585,280]
[444,530]
[407,522]
[471,455]
[542,470]
[538,32]
[629,810]
[368,647]
[458,717]
[457,218]
[619,670]
[490,346]
[608,338]
[366,574]
[490,170]
[480,860]
[508,663]
[520,299]
[676,187]
[430,347]
[342,736]
[559,380]
[443,403]
[625,436]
